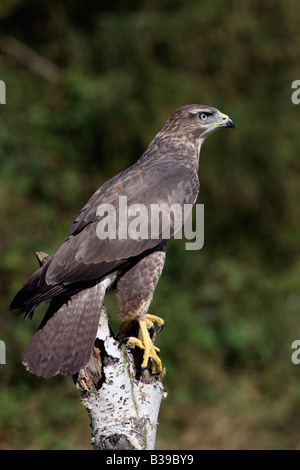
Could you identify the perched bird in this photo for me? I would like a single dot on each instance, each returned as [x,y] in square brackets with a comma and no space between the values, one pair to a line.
[103,249]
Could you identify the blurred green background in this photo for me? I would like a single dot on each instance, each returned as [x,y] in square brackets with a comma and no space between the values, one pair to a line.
[107,76]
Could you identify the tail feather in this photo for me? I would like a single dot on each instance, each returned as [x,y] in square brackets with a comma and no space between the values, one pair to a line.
[64,342]
[35,291]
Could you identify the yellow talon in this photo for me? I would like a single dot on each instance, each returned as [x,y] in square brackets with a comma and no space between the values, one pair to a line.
[145,343]
[150,319]
[149,323]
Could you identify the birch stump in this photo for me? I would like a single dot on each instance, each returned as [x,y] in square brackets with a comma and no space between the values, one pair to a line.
[123,403]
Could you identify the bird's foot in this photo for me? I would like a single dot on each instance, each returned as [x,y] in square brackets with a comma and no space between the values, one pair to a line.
[151,319]
[145,343]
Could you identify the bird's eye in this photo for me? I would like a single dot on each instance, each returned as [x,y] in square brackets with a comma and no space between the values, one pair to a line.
[203,116]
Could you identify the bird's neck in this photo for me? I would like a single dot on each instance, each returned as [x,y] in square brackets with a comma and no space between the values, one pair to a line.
[175,148]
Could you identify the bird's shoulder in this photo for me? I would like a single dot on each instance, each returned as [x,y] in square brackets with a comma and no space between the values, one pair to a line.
[147,183]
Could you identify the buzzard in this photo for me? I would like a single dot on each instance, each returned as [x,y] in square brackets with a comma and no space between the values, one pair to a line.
[75,279]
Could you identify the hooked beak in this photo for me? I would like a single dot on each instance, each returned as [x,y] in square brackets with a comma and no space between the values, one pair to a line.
[227,121]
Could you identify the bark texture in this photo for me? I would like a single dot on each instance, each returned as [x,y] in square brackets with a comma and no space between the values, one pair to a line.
[123,403]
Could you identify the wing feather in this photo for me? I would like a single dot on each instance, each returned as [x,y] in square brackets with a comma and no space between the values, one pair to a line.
[83,256]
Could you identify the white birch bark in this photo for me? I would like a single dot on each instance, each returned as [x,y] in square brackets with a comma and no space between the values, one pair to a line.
[123,405]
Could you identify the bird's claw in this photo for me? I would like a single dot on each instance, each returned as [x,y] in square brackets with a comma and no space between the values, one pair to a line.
[145,343]
[123,341]
[151,319]
[150,351]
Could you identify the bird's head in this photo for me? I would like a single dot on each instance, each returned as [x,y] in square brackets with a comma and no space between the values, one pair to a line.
[196,121]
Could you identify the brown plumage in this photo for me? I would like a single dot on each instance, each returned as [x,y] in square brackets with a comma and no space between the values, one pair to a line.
[76,277]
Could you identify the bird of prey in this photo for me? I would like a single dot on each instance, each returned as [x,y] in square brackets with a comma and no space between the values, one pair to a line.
[74,280]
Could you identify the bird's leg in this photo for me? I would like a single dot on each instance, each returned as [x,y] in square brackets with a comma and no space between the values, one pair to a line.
[124,327]
[145,343]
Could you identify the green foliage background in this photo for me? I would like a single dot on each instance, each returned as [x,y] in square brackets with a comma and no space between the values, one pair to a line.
[232,308]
